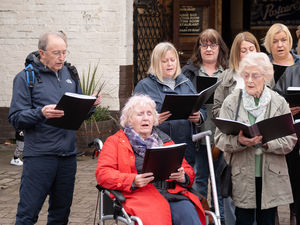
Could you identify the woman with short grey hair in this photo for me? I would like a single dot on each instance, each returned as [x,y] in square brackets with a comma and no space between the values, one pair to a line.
[260,179]
[120,168]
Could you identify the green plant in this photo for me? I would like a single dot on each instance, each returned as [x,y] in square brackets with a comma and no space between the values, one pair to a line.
[90,85]
[101,113]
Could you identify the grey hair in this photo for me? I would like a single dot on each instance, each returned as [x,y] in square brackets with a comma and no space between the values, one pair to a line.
[261,61]
[43,40]
[129,108]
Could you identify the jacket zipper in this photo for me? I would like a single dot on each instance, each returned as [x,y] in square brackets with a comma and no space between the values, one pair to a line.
[58,79]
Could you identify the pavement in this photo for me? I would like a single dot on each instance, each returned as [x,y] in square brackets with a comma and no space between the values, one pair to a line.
[85,194]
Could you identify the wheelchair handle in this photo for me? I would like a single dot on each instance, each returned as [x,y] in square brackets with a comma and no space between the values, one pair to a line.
[118,195]
[97,143]
[98,146]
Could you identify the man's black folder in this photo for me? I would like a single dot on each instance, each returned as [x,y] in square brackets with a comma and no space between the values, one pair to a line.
[269,129]
[182,106]
[162,161]
[76,108]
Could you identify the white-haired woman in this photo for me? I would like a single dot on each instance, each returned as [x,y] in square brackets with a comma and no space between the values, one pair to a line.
[120,164]
[259,173]
[165,77]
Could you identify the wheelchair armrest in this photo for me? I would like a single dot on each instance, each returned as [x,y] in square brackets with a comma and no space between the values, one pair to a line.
[118,195]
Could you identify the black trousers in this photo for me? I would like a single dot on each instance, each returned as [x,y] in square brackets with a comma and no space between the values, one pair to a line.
[43,176]
[263,217]
[293,162]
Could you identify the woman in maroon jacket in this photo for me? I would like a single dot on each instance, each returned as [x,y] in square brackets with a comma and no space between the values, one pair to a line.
[120,164]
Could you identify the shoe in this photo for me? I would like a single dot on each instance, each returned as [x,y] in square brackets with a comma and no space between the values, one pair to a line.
[16,162]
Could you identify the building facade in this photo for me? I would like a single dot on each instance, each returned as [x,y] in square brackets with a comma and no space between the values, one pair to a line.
[119,35]
[97,32]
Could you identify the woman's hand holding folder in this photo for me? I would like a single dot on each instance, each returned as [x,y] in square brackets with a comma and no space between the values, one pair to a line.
[162,117]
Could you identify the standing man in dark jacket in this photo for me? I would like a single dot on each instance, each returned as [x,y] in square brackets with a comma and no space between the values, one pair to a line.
[49,153]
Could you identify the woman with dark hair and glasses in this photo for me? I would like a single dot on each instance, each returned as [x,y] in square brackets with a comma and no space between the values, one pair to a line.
[209,59]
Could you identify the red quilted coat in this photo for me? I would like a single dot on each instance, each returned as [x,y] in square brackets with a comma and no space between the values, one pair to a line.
[116,170]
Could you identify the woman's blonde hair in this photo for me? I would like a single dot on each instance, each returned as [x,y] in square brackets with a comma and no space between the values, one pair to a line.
[273,30]
[129,108]
[234,58]
[157,54]
[261,61]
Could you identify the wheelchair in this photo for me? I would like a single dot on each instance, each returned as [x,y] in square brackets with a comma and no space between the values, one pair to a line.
[111,209]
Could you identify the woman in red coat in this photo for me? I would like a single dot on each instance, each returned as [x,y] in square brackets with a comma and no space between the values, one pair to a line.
[120,164]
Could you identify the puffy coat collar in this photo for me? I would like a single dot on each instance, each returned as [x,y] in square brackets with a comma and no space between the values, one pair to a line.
[34,59]
[180,79]
[296,57]
[190,67]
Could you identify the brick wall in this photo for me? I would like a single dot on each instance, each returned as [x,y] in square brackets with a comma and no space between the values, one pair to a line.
[97,30]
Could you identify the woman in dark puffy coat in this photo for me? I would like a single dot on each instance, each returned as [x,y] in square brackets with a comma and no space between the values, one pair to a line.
[165,78]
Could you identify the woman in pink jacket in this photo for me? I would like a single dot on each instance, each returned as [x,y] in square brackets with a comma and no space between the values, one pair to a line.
[120,164]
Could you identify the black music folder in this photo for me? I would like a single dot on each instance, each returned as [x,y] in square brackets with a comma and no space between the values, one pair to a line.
[292,96]
[204,82]
[164,160]
[76,108]
[278,71]
[182,106]
[269,129]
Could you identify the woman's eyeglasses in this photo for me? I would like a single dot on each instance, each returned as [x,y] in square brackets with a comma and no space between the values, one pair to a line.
[254,76]
[212,46]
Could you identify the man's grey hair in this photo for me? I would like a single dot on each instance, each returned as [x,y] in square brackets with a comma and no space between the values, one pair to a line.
[43,41]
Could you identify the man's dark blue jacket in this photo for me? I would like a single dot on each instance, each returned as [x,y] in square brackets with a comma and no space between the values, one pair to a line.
[26,105]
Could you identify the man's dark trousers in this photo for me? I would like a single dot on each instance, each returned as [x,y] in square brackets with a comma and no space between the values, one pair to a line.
[42,176]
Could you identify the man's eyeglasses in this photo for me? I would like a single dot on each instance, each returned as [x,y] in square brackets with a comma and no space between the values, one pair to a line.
[212,46]
[59,53]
